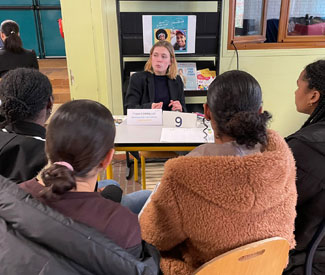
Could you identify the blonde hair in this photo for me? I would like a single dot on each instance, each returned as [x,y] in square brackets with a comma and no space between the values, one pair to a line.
[172,69]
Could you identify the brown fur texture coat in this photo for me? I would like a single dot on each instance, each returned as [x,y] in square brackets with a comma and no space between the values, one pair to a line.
[205,206]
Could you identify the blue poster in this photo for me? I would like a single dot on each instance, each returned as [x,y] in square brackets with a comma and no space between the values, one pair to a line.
[179,30]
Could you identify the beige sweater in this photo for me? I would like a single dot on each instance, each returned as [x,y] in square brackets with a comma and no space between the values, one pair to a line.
[208,205]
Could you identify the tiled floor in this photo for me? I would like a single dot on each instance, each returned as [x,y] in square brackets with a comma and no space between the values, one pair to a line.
[154,172]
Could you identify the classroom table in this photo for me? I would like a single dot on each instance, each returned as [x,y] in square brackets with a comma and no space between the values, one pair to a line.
[148,138]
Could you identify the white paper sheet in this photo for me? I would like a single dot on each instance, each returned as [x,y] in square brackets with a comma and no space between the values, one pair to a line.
[186,135]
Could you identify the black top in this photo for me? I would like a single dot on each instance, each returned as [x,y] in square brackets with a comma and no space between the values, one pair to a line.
[10,60]
[162,91]
[308,148]
[141,91]
[22,153]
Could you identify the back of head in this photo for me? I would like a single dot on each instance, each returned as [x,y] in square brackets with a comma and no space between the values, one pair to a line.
[315,76]
[13,41]
[80,134]
[23,94]
[234,99]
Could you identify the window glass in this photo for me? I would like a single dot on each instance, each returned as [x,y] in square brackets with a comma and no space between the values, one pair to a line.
[306,17]
[249,17]
[272,20]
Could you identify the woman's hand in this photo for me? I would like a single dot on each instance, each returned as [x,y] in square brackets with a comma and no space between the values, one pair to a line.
[176,105]
[157,105]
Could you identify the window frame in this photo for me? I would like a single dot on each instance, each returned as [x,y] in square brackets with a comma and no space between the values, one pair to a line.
[284,40]
[248,38]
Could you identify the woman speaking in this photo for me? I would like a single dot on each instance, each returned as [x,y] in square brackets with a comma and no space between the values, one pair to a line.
[159,86]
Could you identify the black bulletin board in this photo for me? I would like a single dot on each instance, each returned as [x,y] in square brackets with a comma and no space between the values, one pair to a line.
[207,33]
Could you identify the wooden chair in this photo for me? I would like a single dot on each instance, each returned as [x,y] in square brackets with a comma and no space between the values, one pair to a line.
[267,257]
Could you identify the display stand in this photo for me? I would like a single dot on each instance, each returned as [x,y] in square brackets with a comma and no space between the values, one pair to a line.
[206,43]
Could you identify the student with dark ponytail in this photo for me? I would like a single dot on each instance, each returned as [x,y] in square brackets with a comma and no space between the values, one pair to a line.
[221,196]
[13,55]
[308,148]
[79,144]
[26,104]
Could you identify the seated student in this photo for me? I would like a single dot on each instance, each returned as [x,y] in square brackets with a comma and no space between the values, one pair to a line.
[239,190]
[12,54]
[308,148]
[159,86]
[26,104]
[79,144]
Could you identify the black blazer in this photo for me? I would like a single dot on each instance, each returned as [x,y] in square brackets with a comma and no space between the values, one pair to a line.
[141,91]
[10,60]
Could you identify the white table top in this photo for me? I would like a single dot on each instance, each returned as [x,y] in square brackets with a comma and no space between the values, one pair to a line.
[148,135]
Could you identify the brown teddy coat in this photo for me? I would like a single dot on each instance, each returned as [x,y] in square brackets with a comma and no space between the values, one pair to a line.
[205,206]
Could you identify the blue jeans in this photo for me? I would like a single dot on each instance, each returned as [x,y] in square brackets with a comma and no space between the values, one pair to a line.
[133,201]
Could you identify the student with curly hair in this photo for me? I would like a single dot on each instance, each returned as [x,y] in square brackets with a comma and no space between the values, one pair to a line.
[224,195]
[26,104]
[308,148]
[13,55]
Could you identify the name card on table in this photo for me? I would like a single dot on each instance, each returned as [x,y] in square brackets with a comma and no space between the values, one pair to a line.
[179,120]
[144,117]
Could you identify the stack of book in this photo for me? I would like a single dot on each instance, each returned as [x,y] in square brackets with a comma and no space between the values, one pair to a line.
[194,79]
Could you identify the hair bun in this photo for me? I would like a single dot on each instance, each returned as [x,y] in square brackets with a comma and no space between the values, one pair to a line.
[14,108]
[58,179]
[248,128]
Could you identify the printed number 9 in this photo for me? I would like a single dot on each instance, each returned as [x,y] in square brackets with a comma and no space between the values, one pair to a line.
[178,121]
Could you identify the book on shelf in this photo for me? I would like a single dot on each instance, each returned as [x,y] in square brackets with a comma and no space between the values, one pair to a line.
[204,78]
[187,72]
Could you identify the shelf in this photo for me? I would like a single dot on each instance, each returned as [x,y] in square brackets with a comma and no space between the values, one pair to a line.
[191,93]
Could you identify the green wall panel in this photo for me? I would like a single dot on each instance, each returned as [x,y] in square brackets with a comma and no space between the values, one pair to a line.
[49,28]
[16,2]
[49,2]
[53,42]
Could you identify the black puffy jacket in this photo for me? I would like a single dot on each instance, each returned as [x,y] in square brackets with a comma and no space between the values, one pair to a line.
[35,239]
[308,148]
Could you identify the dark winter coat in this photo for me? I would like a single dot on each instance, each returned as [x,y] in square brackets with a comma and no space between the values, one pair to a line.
[308,148]
[34,239]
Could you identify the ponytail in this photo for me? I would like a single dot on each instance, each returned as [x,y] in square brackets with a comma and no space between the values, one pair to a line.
[13,41]
[58,180]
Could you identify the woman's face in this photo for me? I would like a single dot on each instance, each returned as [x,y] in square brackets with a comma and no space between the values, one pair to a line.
[303,96]
[160,60]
